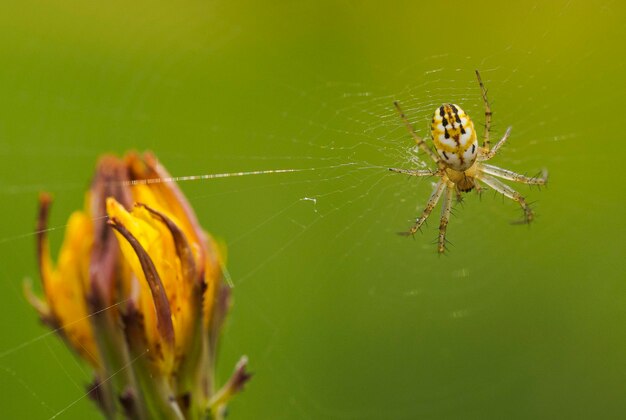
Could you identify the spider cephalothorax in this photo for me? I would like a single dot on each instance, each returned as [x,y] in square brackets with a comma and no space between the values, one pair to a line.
[459,160]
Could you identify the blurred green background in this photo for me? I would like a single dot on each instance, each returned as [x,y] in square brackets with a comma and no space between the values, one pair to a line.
[340,317]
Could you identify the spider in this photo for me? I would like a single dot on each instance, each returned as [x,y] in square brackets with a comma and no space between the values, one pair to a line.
[460,163]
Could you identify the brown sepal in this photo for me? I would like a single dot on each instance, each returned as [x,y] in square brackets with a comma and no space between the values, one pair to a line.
[46,312]
[161,303]
[110,180]
[240,376]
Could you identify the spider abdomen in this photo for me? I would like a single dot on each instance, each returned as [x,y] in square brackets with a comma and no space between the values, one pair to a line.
[454,137]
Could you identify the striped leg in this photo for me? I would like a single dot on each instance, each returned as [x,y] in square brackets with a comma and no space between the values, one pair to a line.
[445,217]
[432,202]
[509,192]
[512,176]
[487,154]
[486,142]
[418,140]
[413,172]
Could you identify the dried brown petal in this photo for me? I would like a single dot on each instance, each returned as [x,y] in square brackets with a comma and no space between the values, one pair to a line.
[161,304]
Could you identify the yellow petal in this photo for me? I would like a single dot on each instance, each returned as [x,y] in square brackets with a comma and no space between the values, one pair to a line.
[65,287]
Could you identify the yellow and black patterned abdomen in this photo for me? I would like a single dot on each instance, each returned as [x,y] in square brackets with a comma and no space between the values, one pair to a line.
[454,137]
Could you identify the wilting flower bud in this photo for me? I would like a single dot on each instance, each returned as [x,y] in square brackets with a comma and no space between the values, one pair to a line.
[138,292]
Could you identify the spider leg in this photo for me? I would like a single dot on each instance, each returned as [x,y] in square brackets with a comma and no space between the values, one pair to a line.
[512,176]
[478,187]
[445,217]
[487,154]
[508,192]
[418,140]
[430,205]
[486,143]
[459,196]
[414,172]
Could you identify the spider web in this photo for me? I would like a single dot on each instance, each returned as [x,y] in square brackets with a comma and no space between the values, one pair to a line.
[325,204]
[340,192]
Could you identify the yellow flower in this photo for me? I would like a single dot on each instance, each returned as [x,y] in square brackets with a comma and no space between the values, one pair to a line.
[144,306]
